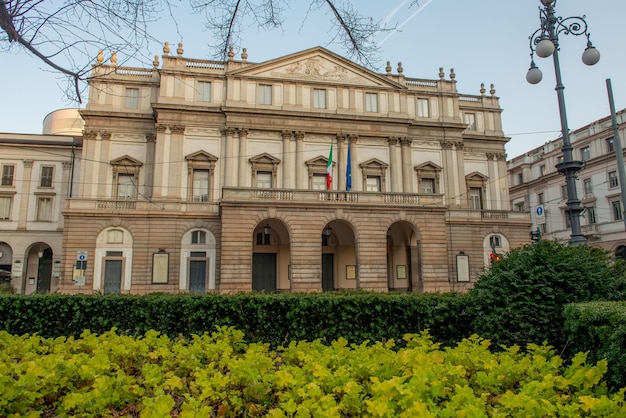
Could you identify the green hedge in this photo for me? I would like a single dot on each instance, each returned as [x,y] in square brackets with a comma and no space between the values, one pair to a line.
[272,318]
[600,329]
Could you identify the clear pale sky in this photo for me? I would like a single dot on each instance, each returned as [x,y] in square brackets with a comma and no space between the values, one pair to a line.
[485,41]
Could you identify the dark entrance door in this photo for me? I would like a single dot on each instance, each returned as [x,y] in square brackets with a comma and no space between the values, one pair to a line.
[112,276]
[197,275]
[328,276]
[264,272]
[44,272]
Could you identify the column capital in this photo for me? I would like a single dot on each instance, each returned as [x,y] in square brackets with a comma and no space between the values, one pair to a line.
[353,138]
[28,163]
[66,165]
[178,129]
[105,135]
[150,137]
[286,134]
[393,140]
[161,128]
[299,135]
[243,132]
[228,131]
[90,135]
[405,140]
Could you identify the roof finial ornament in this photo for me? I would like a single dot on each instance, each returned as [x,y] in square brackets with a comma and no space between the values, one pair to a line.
[179,50]
[400,69]
[492,90]
[155,63]
[244,54]
[441,73]
[114,58]
[452,75]
[482,89]
[100,57]
[166,48]
[231,53]
[388,68]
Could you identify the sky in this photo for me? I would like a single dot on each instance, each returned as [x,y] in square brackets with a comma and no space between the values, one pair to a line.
[485,41]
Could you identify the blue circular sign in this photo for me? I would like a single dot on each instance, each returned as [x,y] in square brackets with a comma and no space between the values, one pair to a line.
[81,257]
[539,210]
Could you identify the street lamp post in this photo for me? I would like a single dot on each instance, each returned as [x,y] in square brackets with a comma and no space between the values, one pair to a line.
[545,42]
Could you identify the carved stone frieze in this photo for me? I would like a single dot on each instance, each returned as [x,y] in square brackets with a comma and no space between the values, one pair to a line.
[316,69]
[178,129]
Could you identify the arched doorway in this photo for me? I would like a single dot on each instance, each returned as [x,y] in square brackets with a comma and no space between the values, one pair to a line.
[38,275]
[197,261]
[339,262]
[6,257]
[271,256]
[620,252]
[495,244]
[113,261]
[403,257]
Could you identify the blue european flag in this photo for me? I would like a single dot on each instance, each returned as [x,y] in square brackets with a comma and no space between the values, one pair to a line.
[349,171]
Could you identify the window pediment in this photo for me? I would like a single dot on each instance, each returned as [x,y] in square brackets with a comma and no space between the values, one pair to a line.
[126,160]
[317,162]
[201,156]
[374,164]
[264,159]
[428,167]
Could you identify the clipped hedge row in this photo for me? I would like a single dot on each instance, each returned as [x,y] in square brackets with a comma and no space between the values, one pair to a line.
[272,318]
[600,329]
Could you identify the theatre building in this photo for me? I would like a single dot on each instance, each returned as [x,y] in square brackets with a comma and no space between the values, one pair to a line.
[211,176]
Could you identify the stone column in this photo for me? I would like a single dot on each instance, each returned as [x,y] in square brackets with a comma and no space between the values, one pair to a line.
[394,165]
[176,158]
[243,177]
[451,179]
[228,156]
[26,190]
[301,172]
[288,161]
[357,177]
[407,163]
[103,170]
[459,160]
[161,167]
[341,162]
[86,162]
[150,166]
[65,189]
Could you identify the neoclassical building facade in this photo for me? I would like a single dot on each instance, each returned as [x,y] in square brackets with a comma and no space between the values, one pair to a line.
[202,176]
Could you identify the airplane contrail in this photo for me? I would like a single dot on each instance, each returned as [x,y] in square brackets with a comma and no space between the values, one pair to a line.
[407,20]
[393,11]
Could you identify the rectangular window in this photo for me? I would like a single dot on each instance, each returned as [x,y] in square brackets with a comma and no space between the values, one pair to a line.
[544,228]
[476,198]
[542,170]
[264,179]
[540,198]
[616,205]
[588,187]
[564,192]
[423,109]
[519,207]
[319,182]
[520,178]
[470,121]
[372,184]
[585,153]
[371,102]
[200,189]
[610,146]
[559,159]
[591,215]
[47,173]
[568,223]
[613,182]
[319,98]
[203,89]
[428,186]
[265,94]
[125,186]
[5,207]
[7,175]
[44,209]
[132,98]
[198,237]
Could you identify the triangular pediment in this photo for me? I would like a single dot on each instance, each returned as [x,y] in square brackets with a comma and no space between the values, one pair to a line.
[264,158]
[317,65]
[427,166]
[374,163]
[476,176]
[318,161]
[126,160]
[201,156]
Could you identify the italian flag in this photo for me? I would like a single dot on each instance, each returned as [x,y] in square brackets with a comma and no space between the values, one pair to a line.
[329,168]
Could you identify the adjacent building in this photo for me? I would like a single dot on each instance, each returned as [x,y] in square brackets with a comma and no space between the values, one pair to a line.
[37,176]
[535,183]
[306,172]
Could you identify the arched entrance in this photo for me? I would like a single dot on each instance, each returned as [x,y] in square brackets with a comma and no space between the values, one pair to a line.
[6,257]
[197,261]
[38,269]
[271,256]
[403,258]
[339,266]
